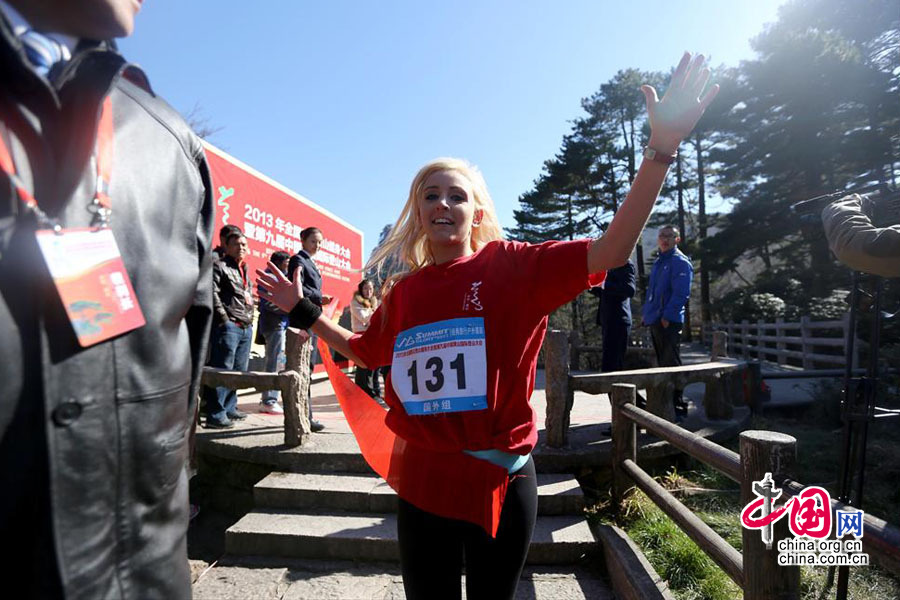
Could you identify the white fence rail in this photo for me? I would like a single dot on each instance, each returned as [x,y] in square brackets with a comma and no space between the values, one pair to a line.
[803,340]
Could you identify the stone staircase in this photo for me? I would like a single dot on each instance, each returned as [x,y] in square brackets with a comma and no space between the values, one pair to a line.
[320,525]
[352,516]
[334,535]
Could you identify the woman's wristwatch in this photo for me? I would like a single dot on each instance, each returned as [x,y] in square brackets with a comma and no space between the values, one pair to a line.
[656,156]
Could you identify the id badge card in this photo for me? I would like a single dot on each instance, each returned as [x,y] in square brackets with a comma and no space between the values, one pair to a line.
[441,367]
[90,278]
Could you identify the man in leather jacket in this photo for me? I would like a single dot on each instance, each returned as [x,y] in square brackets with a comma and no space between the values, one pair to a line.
[232,327]
[93,440]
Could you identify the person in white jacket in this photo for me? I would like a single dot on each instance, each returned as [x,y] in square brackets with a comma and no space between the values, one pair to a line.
[362,307]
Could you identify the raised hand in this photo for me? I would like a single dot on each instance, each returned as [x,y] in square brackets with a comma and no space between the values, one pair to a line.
[278,289]
[673,118]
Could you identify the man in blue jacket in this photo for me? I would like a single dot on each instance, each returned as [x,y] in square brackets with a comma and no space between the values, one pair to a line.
[663,312]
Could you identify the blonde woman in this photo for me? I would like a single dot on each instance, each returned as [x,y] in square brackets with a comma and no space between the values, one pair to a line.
[463,348]
[362,307]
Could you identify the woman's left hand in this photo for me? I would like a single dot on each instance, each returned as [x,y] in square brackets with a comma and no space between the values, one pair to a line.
[673,118]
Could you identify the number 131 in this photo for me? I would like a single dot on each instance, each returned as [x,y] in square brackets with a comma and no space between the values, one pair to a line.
[436,381]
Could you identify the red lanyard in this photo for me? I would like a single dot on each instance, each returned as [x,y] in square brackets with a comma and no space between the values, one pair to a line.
[103,159]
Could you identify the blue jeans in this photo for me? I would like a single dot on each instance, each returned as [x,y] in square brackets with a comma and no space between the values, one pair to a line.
[229,349]
[274,359]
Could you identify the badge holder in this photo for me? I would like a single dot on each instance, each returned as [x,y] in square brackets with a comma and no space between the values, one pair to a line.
[90,278]
[85,263]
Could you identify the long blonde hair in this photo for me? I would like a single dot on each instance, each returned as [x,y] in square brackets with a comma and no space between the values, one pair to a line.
[407,238]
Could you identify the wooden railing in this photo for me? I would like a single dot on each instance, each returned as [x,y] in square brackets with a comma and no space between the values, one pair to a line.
[801,341]
[293,383]
[756,569]
[727,383]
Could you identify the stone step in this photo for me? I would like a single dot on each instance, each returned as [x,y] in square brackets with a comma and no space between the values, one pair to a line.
[364,536]
[332,580]
[558,494]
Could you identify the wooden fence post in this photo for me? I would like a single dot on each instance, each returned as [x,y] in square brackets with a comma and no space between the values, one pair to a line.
[716,403]
[805,334]
[624,441]
[296,401]
[760,344]
[745,342]
[719,346]
[781,345]
[764,579]
[752,384]
[296,422]
[559,396]
[574,350]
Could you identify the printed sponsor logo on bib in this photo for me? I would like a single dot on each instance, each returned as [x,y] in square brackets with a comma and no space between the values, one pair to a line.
[441,367]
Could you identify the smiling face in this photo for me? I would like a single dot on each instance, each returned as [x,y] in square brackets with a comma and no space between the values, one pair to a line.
[446,212]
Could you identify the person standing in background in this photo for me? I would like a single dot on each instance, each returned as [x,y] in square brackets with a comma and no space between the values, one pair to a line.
[271,327]
[614,314]
[232,328]
[311,281]
[362,307]
[663,311]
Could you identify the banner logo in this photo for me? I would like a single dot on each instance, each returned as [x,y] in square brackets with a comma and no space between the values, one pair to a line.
[224,194]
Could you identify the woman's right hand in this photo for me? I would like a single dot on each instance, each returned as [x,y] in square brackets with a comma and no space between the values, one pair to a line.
[278,289]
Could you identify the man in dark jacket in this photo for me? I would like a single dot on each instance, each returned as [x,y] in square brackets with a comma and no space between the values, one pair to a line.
[614,314]
[667,295]
[311,279]
[94,432]
[232,329]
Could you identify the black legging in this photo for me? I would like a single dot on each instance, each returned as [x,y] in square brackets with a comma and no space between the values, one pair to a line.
[432,547]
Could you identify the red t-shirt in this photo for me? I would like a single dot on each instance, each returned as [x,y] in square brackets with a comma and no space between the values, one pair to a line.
[512,286]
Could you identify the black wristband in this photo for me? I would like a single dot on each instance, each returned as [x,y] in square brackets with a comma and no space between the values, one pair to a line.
[304,314]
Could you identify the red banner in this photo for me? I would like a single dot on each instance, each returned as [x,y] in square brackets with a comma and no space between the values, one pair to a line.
[272,216]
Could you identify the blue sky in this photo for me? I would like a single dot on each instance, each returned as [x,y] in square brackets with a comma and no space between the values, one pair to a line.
[344,101]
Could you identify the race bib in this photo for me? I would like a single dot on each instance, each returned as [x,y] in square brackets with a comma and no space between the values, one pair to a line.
[441,367]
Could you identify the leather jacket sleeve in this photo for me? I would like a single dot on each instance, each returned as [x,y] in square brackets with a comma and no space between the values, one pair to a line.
[198,318]
[221,315]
